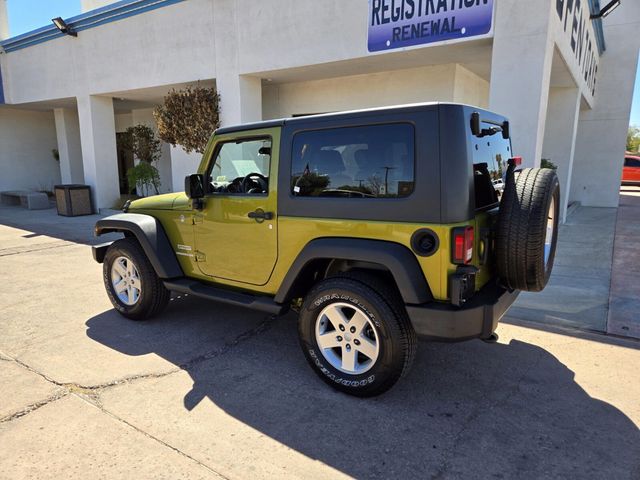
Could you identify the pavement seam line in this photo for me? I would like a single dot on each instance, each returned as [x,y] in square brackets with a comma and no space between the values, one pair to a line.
[3,253]
[152,437]
[35,406]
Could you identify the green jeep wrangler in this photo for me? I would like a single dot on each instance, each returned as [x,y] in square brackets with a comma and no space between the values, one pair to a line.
[378,226]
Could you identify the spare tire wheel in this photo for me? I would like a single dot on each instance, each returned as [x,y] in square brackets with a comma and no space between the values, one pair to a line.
[527,229]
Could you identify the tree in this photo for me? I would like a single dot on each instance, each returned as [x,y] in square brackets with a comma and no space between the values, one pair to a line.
[188,117]
[633,139]
[142,142]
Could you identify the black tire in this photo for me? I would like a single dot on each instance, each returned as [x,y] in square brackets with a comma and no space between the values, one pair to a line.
[385,311]
[522,225]
[153,296]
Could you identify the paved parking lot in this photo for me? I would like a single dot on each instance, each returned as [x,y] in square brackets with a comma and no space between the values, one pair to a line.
[208,391]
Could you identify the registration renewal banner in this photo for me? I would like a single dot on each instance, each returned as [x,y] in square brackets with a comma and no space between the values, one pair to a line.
[406,23]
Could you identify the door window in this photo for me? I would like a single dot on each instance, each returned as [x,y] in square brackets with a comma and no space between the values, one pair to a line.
[241,167]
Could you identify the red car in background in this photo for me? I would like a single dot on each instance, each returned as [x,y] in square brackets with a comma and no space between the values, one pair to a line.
[631,170]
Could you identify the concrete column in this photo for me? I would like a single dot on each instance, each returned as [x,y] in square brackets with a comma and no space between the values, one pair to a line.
[240,98]
[69,148]
[182,164]
[560,137]
[521,71]
[99,156]
[602,131]
[240,95]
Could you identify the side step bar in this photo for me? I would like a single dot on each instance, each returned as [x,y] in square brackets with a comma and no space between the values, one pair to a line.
[238,299]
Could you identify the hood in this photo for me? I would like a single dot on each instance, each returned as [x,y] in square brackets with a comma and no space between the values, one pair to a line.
[168,201]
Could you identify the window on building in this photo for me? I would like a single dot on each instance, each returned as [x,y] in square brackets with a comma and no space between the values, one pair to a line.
[631,162]
[356,162]
[241,167]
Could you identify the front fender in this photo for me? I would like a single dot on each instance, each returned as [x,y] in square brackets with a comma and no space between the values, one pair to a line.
[151,237]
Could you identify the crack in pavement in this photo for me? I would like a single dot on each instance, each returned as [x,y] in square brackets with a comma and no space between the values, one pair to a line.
[92,392]
[35,406]
[156,439]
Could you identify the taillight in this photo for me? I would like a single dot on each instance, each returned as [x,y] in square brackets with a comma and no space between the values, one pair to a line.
[462,245]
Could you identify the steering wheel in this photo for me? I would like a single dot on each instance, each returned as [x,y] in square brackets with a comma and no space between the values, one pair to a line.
[250,181]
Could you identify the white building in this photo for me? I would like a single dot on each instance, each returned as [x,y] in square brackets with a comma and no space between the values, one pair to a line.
[564,80]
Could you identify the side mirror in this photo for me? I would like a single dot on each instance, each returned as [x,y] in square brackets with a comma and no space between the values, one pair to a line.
[194,186]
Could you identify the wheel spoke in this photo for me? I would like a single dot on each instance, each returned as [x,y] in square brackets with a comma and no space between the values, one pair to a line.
[135,282]
[120,269]
[359,320]
[120,286]
[131,295]
[349,359]
[367,347]
[336,317]
[130,268]
[329,340]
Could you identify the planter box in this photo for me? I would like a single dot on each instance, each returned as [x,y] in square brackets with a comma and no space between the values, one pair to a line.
[73,200]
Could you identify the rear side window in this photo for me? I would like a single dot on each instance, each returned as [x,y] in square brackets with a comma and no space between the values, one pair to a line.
[354,162]
[490,156]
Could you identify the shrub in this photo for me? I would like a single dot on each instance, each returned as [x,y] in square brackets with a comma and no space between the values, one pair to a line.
[142,142]
[145,176]
[188,117]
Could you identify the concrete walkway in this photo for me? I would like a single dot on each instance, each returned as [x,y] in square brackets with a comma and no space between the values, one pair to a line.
[595,286]
[624,303]
[577,295]
[208,391]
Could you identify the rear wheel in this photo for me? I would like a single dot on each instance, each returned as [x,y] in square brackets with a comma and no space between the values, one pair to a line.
[133,287]
[356,337]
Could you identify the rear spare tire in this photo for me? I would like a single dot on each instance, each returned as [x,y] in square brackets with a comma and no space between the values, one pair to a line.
[527,230]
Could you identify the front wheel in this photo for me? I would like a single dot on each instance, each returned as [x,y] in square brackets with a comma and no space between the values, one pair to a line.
[133,287]
[355,333]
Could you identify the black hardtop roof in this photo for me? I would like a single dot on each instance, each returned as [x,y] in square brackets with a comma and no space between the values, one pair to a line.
[342,115]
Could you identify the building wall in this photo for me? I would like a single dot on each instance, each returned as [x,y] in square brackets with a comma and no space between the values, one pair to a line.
[26,140]
[449,82]
[87,5]
[136,52]
[470,88]
[602,131]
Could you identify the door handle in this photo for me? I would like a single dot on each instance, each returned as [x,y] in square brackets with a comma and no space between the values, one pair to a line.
[260,215]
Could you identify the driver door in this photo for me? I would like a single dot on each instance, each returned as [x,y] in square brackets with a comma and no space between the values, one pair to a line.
[236,233]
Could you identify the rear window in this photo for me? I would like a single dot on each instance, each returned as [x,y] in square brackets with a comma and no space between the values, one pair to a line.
[354,162]
[490,157]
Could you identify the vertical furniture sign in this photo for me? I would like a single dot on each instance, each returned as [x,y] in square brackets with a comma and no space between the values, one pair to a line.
[1,86]
[407,23]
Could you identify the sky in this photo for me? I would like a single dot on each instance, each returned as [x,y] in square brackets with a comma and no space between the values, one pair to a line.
[26,15]
[635,108]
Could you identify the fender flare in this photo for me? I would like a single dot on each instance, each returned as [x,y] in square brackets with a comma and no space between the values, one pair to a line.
[151,236]
[397,258]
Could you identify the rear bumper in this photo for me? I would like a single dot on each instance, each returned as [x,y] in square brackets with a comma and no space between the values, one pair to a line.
[478,318]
